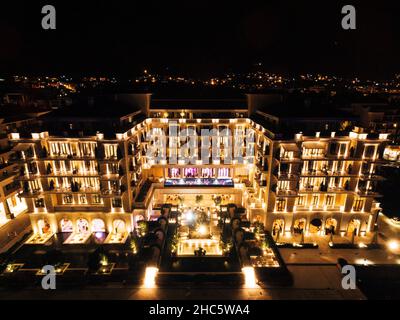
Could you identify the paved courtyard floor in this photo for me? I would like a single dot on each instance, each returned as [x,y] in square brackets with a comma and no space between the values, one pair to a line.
[327,255]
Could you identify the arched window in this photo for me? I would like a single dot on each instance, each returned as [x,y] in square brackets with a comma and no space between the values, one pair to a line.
[118,226]
[299,226]
[66,225]
[278,226]
[43,226]
[139,218]
[354,227]
[98,225]
[330,225]
[315,225]
[82,225]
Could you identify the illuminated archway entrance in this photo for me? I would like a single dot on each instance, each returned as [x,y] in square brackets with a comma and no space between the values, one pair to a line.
[82,226]
[119,226]
[43,226]
[66,225]
[315,225]
[354,227]
[299,225]
[330,226]
[278,227]
[98,225]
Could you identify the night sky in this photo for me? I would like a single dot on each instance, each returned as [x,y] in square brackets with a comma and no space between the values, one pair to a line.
[200,38]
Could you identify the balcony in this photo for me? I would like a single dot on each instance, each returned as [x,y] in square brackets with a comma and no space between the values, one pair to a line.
[106,193]
[69,190]
[368,193]
[326,208]
[318,189]
[5,165]
[261,183]
[111,176]
[28,177]
[110,159]
[143,191]
[289,159]
[287,176]
[327,173]
[372,176]
[29,193]
[79,174]
[68,157]
[262,168]
[286,193]
[6,175]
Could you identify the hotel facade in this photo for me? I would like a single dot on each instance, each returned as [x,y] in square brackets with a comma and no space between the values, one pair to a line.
[11,204]
[316,184]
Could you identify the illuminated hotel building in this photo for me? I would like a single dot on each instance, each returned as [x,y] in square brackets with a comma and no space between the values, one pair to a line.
[11,205]
[97,183]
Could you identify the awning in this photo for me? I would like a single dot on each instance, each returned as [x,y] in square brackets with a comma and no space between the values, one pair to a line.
[316,222]
[314,145]
[290,147]
[22,146]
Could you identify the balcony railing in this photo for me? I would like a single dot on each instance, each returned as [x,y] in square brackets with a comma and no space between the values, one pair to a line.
[287,176]
[319,189]
[328,173]
[69,190]
[285,192]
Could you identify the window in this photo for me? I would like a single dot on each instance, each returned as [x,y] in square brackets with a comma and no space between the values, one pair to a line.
[283,185]
[358,205]
[116,203]
[87,148]
[287,154]
[66,225]
[313,152]
[342,149]
[110,150]
[11,186]
[60,148]
[333,148]
[96,199]
[67,199]
[112,168]
[315,200]
[280,205]
[369,151]
[82,199]
[329,200]
[39,203]
[300,200]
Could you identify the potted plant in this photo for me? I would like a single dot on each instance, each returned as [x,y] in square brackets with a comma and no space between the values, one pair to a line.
[199,198]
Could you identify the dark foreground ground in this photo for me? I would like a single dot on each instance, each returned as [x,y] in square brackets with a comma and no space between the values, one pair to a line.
[310,282]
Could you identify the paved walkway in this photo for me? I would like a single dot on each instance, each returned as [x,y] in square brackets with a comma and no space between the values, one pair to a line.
[325,255]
